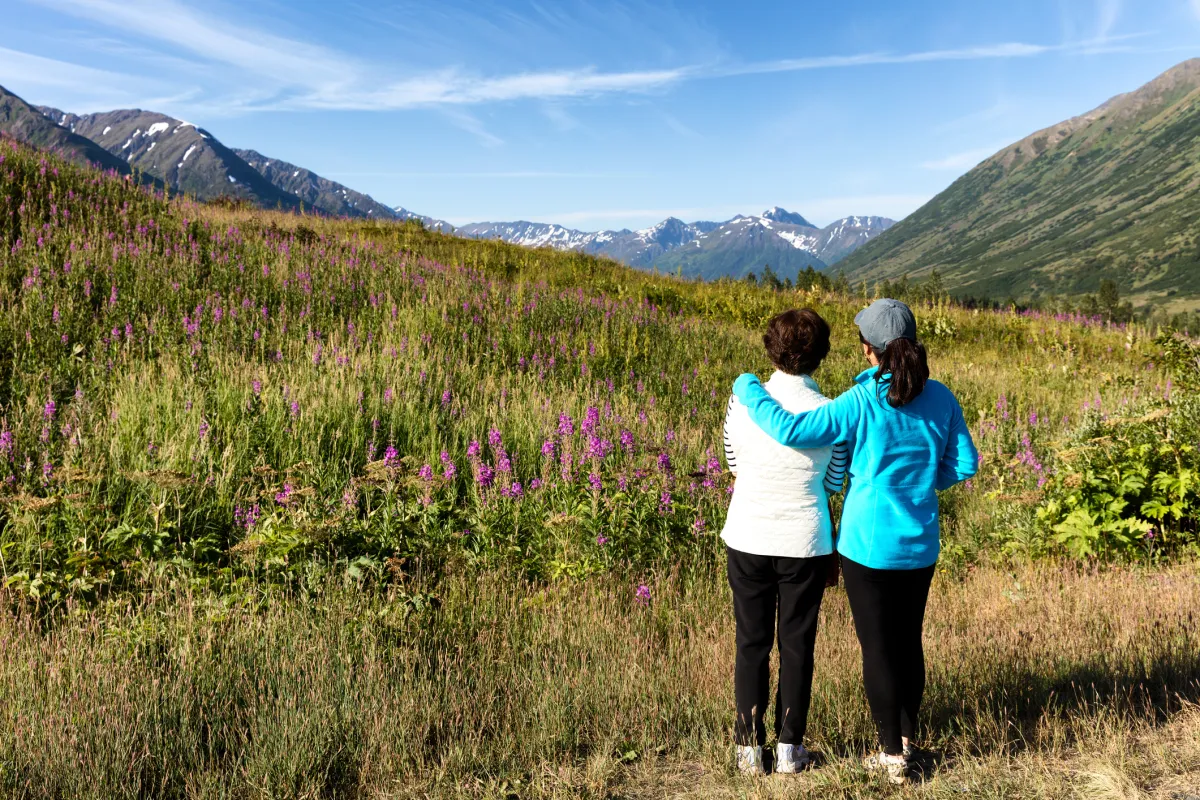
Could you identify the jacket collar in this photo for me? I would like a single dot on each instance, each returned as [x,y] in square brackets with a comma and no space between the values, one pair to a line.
[867,375]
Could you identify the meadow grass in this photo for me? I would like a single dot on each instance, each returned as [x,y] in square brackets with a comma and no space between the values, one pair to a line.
[302,507]
[494,687]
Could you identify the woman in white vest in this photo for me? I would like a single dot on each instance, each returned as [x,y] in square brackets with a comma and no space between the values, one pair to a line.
[779,537]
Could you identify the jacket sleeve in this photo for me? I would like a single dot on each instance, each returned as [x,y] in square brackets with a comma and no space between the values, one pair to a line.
[835,474]
[822,426]
[730,455]
[960,460]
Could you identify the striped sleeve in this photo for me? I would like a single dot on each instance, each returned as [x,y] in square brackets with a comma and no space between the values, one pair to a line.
[730,458]
[836,473]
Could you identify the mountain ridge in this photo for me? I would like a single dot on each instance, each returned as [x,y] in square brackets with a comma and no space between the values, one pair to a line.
[1107,194]
[784,240]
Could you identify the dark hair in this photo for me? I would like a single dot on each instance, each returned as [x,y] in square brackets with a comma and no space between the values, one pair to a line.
[797,341]
[903,369]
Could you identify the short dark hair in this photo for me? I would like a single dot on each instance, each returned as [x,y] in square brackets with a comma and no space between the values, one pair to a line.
[797,341]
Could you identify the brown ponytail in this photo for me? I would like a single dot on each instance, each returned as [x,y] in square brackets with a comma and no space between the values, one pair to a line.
[903,369]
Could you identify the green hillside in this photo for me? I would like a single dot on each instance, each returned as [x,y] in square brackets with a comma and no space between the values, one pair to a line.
[1108,194]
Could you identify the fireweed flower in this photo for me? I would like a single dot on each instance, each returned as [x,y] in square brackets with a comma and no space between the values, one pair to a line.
[535,484]
[594,480]
[49,410]
[256,386]
[595,448]
[664,462]
[284,494]
[425,472]
[664,501]
[203,429]
[548,448]
[295,410]
[446,398]
[642,595]
[494,438]
[601,540]
[626,441]
[590,420]
[391,458]
[566,425]
[503,464]
[247,517]
[484,476]
[474,449]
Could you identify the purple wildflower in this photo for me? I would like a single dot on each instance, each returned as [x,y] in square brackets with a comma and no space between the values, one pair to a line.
[601,540]
[284,494]
[591,419]
[642,595]
[594,480]
[484,476]
[566,425]
[391,458]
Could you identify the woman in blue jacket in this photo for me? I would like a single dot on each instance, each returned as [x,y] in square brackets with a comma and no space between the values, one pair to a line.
[907,440]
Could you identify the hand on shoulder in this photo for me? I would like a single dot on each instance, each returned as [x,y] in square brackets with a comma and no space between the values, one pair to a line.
[744,383]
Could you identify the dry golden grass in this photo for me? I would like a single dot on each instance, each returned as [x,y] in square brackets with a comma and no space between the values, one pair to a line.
[1045,682]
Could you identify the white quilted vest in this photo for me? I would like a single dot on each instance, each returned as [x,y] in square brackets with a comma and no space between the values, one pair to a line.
[779,505]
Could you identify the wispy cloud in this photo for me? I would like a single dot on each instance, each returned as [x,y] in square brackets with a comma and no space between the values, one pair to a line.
[1107,12]
[535,174]
[472,125]
[674,124]
[289,74]
[1003,50]
[961,161]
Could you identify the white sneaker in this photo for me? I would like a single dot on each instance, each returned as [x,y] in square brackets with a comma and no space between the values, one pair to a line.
[791,758]
[895,767]
[750,760]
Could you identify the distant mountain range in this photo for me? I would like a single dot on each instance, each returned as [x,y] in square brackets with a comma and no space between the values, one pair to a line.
[785,241]
[189,159]
[1113,193]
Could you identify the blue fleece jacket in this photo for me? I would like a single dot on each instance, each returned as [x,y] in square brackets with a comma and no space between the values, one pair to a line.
[899,459]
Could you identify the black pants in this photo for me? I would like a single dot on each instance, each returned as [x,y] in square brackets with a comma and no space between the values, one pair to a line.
[764,586]
[889,612]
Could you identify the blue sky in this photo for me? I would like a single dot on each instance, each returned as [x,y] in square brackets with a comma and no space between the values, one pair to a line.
[601,114]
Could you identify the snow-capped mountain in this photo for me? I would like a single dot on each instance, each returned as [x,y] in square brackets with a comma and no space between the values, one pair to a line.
[783,239]
[183,156]
[439,225]
[636,248]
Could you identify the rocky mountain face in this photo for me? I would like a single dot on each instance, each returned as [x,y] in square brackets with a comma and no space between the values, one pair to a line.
[187,158]
[1108,194]
[26,123]
[430,223]
[779,238]
[316,192]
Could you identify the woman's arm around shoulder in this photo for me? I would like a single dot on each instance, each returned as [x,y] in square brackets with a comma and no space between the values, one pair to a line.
[821,426]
